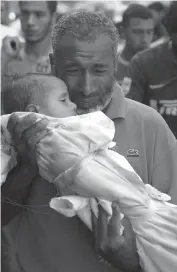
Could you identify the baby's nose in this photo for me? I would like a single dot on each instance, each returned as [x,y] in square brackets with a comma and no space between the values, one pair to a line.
[73,106]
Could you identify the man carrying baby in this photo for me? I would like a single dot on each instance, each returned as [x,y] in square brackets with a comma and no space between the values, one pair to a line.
[84,57]
[47,95]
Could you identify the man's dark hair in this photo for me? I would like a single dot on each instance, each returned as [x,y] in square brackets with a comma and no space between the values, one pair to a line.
[170,20]
[52,5]
[157,6]
[135,11]
[85,26]
[23,90]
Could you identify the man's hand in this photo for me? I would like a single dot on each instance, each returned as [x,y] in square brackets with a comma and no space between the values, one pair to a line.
[119,251]
[26,133]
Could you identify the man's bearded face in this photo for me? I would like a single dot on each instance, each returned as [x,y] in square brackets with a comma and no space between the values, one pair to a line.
[88,69]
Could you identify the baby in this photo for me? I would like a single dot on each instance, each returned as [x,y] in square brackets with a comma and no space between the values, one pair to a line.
[38,93]
[76,155]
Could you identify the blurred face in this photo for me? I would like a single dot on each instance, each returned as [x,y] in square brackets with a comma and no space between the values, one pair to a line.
[4,13]
[87,68]
[36,20]
[57,103]
[139,33]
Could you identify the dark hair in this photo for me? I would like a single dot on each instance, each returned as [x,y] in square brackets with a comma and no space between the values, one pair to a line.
[136,11]
[157,6]
[22,90]
[170,20]
[84,25]
[52,5]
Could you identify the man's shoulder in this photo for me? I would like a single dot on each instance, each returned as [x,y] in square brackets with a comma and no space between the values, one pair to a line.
[153,53]
[142,113]
[148,122]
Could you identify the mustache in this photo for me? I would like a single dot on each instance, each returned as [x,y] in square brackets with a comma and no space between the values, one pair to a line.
[97,98]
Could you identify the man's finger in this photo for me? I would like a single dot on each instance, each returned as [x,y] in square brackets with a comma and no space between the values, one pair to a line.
[94,228]
[114,224]
[17,126]
[35,128]
[128,230]
[102,227]
[12,122]
[35,138]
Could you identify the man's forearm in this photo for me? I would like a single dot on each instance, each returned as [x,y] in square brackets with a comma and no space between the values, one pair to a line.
[14,192]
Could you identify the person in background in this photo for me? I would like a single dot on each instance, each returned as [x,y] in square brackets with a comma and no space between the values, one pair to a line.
[138,29]
[5,29]
[153,74]
[37,18]
[158,10]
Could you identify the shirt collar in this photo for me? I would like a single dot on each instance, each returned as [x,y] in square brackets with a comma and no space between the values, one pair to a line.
[117,106]
[23,56]
[123,61]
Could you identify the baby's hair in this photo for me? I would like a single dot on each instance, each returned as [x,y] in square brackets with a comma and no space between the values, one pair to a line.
[22,90]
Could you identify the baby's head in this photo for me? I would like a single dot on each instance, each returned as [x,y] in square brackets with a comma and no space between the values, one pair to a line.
[39,93]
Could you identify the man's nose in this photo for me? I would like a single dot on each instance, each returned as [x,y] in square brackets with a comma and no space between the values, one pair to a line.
[31,19]
[87,84]
[145,38]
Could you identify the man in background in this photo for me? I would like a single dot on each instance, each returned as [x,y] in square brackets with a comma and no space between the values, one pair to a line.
[138,29]
[37,19]
[158,10]
[153,74]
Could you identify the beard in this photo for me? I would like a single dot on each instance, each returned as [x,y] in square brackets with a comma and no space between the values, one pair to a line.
[96,101]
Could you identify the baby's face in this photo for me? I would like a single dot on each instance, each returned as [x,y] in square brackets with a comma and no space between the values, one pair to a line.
[57,103]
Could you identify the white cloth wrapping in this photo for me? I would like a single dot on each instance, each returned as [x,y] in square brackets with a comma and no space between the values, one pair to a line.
[75,156]
[78,136]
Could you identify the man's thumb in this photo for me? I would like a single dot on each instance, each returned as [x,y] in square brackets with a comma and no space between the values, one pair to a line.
[128,230]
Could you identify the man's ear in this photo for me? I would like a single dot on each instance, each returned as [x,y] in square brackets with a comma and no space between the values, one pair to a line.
[115,63]
[32,108]
[52,64]
[54,18]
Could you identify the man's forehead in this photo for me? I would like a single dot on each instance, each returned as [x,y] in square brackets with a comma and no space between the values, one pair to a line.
[72,45]
[34,5]
[140,22]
